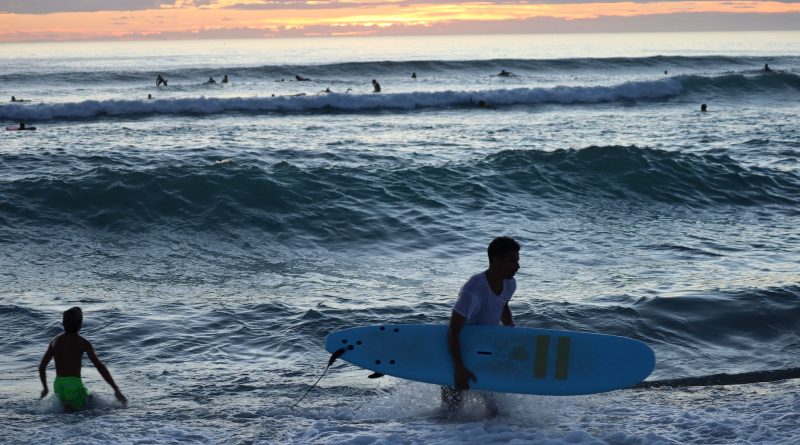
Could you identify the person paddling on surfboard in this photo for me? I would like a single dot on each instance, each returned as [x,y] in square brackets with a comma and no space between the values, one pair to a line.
[482,300]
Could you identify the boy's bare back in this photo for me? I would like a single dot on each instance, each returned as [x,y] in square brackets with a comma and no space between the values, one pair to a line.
[68,349]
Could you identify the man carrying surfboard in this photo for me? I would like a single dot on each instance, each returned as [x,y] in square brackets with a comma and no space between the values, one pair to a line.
[482,300]
[488,357]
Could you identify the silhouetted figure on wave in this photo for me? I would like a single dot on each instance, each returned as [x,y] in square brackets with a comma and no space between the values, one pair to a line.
[487,105]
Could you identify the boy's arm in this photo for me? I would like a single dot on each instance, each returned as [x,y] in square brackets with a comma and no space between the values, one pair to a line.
[507,319]
[43,368]
[101,368]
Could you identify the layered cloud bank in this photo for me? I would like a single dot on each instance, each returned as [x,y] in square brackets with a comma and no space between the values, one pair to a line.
[40,20]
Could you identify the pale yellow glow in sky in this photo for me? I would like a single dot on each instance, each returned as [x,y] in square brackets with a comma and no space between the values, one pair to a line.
[348,20]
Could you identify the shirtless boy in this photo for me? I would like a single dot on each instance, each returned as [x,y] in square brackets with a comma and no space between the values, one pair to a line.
[68,349]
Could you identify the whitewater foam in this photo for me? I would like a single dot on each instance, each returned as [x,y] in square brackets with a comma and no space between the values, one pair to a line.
[342,102]
[649,90]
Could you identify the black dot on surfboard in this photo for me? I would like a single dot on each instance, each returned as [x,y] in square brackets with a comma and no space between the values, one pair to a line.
[391,362]
[344,340]
[377,362]
[396,330]
[358,342]
[383,328]
[350,347]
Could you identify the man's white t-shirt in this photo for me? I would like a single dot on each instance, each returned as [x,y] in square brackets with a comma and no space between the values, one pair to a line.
[478,304]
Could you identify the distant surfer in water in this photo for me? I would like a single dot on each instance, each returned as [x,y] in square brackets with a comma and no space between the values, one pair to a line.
[300,78]
[376,86]
[21,126]
[211,81]
[68,349]
[487,105]
[414,75]
[149,97]
[504,73]
[225,79]
[767,68]
[14,99]
[483,300]
[160,81]
[703,108]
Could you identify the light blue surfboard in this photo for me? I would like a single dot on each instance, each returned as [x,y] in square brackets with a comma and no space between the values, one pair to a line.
[516,360]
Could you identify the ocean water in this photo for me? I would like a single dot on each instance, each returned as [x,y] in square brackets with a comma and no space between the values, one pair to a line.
[215,234]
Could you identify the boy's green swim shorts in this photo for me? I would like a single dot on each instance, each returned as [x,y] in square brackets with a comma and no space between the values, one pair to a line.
[71,392]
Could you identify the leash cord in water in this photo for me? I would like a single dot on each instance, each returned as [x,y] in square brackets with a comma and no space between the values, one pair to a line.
[334,356]
[724,379]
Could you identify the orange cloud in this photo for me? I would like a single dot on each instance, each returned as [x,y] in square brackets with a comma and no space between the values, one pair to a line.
[184,17]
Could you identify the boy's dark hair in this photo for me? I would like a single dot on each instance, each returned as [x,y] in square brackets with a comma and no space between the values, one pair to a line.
[502,246]
[73,319]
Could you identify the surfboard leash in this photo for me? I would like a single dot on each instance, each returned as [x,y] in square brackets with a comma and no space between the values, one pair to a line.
[773,375]
[334,356]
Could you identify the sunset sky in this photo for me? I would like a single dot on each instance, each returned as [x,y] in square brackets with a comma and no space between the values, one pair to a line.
[56,20]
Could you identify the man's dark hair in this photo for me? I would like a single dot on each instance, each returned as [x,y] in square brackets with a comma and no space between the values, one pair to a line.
[502,246]
[73,319]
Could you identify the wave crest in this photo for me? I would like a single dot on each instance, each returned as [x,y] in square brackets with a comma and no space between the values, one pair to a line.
[341,102]
[651,90]
[345,202]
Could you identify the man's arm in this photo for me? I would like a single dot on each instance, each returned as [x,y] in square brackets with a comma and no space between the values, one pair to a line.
[101,368]
[462,375]
[43,368]
[507,319]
